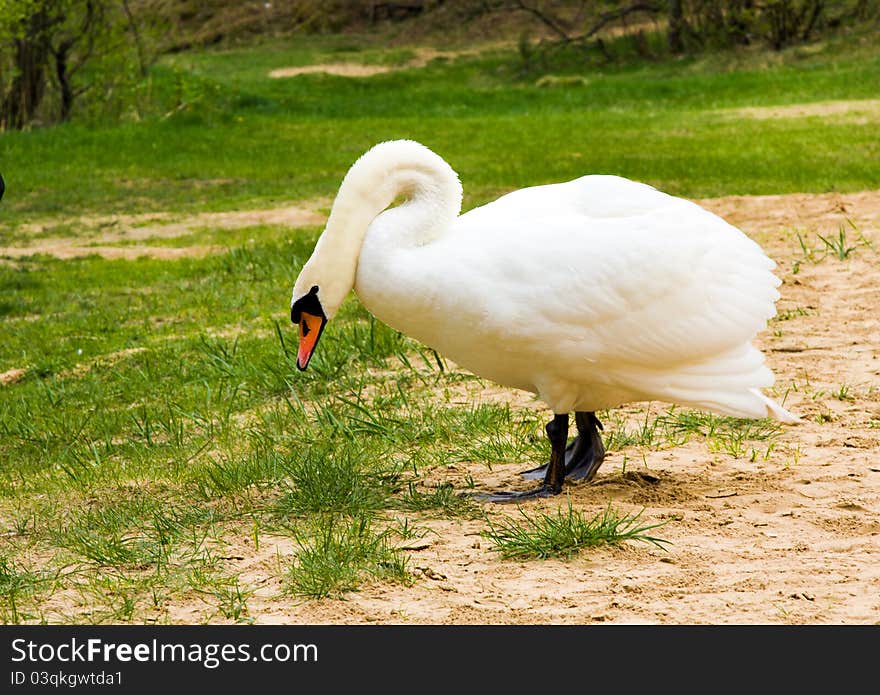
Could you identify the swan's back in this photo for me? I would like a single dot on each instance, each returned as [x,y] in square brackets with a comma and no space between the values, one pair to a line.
[592,197]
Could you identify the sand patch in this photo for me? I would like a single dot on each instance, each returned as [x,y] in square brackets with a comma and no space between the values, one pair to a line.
[108,360]
[341,69]
[60,249]
[422,57]
[98,234]
[860,110]
[825,212]
[10,376]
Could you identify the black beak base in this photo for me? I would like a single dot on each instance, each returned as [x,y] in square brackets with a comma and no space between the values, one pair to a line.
[308,303]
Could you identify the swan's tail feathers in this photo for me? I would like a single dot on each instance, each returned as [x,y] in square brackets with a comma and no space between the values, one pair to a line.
[776,411]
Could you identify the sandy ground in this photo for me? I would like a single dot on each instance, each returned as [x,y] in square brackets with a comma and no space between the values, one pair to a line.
[129,236]
[791,537]
[850,111]
[421,57]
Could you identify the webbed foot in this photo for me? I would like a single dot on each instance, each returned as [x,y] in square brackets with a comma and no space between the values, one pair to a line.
[514,496]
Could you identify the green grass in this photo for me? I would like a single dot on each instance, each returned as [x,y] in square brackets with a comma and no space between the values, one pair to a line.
[674,427]
[347,480]
[17,586]
[442,499]
[566,532]
[236,138]
[340,555]
[161,426]
[841,246]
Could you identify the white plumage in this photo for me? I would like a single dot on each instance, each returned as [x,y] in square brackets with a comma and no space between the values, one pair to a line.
[591,293]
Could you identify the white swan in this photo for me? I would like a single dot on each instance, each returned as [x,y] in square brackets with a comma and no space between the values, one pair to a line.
[590,294]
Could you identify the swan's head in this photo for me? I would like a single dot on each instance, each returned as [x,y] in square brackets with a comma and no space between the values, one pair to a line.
[322,286]
[308,314]
[316,298]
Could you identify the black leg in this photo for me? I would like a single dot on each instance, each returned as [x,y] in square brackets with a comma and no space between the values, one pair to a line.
[587,458]
[583,455]
[557,433]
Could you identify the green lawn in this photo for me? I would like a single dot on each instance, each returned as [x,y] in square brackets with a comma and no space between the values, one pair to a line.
[242,139]
[160,414]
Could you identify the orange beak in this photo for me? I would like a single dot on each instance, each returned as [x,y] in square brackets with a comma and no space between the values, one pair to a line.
[310,328]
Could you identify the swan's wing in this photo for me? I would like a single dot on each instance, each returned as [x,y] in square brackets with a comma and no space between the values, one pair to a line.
[671,285]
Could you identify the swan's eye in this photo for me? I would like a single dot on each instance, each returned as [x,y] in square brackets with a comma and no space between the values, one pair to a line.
[305,328]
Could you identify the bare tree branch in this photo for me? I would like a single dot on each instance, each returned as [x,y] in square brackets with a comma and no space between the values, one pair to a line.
[621,12]
[138,41]
[551,23]
[559,27]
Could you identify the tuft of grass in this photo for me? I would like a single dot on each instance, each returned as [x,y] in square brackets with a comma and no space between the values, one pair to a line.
[227,594]
[843,394]
[646,434]
[126,533]
[809,253]
[566,532]
[442,498]
[228,475]
[789,314]
[710,425]
[725,434]
[838,245]
[345,479]
[16,584]
[676,427]
[341,555]
[546,81]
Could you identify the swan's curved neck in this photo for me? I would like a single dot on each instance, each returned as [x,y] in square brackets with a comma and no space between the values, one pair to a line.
[387,171]
[374,181]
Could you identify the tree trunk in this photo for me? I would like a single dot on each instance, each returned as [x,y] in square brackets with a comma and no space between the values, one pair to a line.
[815,13]
[19,105]
[62,72]
[676,23]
